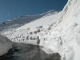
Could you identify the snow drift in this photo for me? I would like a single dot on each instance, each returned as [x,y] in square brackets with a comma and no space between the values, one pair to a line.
[5,45]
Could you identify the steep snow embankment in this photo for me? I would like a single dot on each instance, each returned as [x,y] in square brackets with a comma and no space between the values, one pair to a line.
[68,30]
[5,45]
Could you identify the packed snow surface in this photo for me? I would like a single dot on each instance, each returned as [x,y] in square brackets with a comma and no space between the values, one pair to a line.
[5,45]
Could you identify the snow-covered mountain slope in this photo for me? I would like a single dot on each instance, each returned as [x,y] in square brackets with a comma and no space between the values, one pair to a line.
[41,22]
[20,21]
[17,22]
[5,45]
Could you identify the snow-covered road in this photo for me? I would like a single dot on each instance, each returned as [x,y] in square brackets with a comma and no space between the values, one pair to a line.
[22,51]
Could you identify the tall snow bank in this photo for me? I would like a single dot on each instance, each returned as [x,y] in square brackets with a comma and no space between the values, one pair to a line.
[5,45]
[69,31]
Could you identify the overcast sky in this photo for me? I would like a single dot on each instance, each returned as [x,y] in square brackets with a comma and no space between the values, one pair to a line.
[10,9]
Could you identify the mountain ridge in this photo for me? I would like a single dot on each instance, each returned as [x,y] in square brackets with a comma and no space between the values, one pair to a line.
[20,21]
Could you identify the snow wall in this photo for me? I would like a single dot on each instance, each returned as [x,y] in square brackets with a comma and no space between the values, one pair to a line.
[69,30]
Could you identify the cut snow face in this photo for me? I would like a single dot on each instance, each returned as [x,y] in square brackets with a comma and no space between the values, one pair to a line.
[69,31]
[5,45]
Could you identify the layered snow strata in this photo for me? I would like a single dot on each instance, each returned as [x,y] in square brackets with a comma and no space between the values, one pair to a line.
[69,31]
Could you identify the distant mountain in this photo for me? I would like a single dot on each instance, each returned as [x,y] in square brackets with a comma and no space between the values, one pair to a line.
[20,21]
